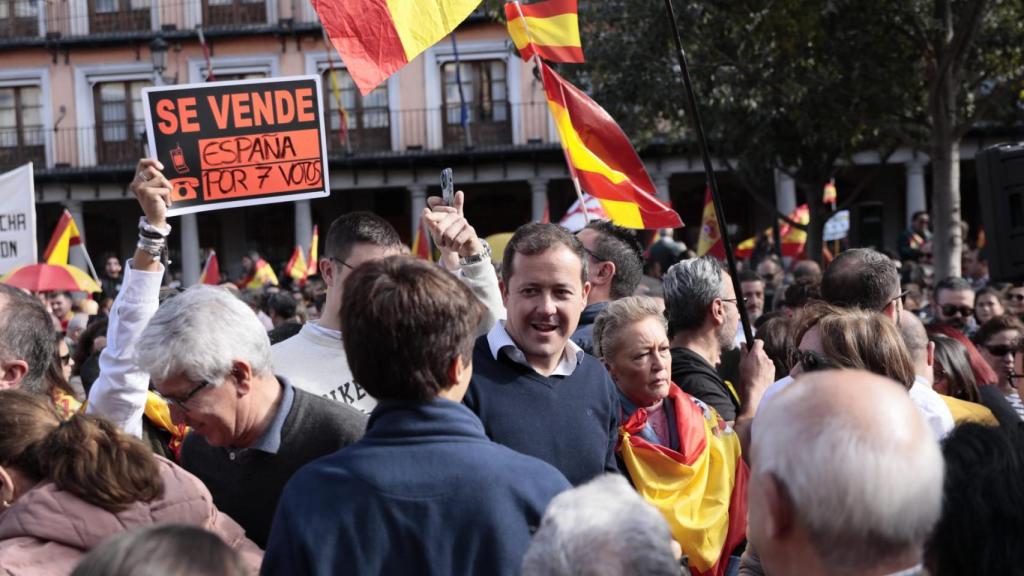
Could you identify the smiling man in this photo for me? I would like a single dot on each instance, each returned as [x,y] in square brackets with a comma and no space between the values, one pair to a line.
[534,389]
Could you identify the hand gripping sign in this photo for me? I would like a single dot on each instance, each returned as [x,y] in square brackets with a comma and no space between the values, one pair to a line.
[239,143]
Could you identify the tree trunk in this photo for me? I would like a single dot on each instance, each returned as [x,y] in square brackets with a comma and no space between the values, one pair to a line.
[945,150]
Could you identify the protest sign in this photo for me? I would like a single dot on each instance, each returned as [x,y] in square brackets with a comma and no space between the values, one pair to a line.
[17,219]
[239,143]
[838,226]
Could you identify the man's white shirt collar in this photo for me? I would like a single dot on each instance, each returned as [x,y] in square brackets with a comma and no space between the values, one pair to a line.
[498,340]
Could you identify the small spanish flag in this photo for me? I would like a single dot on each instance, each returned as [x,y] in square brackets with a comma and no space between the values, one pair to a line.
[549,29]
[745,249]
[262,274]
[211,270]
[828,196]
[710,241]
[376,38]
[601,157]
[421,244]
[296,266]
[314,253]
[64,237]
[793,238]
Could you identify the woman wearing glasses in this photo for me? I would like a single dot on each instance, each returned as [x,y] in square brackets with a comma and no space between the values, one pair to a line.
[67,485]
[1015,300]
[999,341]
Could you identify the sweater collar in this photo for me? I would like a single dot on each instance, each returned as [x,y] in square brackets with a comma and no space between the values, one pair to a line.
[408,421]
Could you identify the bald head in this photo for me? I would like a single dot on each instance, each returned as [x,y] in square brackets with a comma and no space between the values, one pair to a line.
[914,335]
[846,470]
[861,278]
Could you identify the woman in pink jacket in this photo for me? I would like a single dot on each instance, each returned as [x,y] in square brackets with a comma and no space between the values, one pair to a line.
[65,487]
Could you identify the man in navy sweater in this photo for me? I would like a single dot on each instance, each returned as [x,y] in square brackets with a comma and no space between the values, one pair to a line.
[424,491]
[534,389]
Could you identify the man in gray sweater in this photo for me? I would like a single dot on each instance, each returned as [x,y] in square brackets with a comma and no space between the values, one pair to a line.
[206,355]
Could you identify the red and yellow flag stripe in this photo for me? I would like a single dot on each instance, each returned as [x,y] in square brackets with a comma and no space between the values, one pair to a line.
[375,38]
[601,156]
[701,490]
[65,235]
[549,29]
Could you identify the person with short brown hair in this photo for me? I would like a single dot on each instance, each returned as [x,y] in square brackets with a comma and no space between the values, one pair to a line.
[425,490]
[65,487]
[535,389]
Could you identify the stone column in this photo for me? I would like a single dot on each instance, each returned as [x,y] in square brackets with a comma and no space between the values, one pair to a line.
[303,224]
[915,188]
[661,187]
[76,256]
[188,228]
[417,202]
[785,193]
[538,198]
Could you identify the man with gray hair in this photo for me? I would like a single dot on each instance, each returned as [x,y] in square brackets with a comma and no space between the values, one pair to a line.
[207,356]
[27,340]
[846,478]
[602,528]
[703,316]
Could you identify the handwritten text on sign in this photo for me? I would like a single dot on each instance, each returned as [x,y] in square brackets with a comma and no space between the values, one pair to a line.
[237,143]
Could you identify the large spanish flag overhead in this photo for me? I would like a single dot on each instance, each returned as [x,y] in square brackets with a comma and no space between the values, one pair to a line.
[549,28]
[377,37]
[65,235]
[600,155]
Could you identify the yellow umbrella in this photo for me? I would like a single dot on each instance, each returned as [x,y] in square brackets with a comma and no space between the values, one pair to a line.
[498,242]
[50,277]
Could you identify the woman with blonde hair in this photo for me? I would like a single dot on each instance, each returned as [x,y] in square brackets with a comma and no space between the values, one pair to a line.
[65,486]
[678,452]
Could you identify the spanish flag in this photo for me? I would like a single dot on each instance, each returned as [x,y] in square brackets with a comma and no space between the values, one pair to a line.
[745,249]
[211,271]
[549,29]
[601,157]
[829,194]
[314,253]
[421,244]
[700,489]
[793,238]
[261,275]
[64,237]
[710,241]
[375,38]
[296,266]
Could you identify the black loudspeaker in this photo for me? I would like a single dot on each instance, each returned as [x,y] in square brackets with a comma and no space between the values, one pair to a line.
[1001,186]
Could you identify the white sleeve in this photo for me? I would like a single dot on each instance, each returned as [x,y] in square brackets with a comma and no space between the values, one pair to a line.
[119,394]
[482,280]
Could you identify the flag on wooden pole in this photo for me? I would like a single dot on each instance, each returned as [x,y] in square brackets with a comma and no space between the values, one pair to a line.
[549,29]
[602,158]
[376,38]
[64,237]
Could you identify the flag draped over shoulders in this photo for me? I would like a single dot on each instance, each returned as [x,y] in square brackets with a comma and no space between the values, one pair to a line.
[700,489]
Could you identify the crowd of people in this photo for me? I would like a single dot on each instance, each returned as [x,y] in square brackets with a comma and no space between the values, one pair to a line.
[576,404]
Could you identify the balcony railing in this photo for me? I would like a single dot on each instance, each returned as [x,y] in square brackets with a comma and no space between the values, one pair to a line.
[35,20]
[371,133]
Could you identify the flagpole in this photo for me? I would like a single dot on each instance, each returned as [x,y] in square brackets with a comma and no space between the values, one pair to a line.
[88,260]
[712,181]
[535,58]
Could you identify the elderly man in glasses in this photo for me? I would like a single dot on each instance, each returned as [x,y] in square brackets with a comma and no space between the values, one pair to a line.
[207,356]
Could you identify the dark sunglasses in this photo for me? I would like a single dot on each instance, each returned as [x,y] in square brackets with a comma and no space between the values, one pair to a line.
[811,361]
[1000,350]
[952,309]
[65,359]
[1017,297]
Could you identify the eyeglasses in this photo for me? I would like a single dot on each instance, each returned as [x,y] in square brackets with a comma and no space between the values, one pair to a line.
[180,403]
[1000,350]
[65,360]
[952,309]
[736,301]
[593,255]
[811,361]
[1017,296]
[342,262]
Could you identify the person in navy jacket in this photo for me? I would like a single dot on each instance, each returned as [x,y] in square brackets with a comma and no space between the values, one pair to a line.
[425,491]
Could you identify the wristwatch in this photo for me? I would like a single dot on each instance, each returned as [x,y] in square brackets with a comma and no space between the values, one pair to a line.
[479,256]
